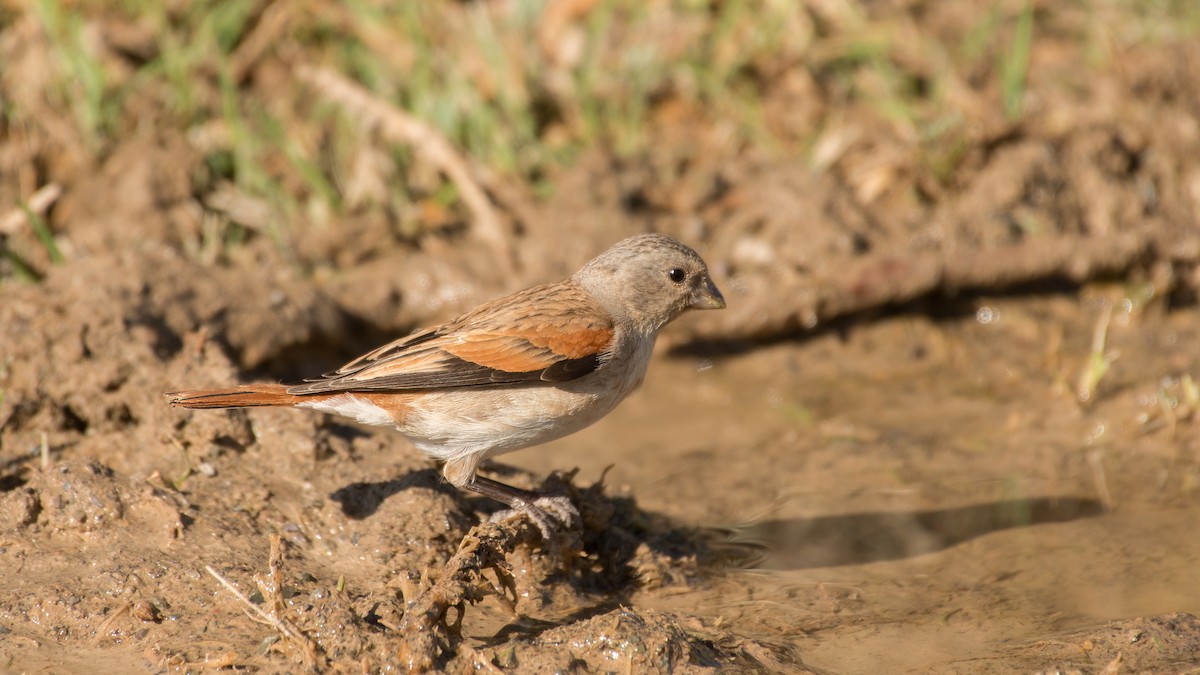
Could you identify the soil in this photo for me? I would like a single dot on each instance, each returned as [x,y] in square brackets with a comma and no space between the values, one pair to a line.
[879,458]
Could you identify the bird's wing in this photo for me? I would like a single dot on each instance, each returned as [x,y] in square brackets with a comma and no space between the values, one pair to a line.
[552,333]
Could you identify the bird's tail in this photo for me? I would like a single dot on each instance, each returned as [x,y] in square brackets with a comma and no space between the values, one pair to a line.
[244,396]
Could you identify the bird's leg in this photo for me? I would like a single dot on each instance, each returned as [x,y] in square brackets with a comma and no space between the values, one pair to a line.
[541,509]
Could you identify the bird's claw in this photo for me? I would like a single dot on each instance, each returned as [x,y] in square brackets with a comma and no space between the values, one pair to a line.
[547,513]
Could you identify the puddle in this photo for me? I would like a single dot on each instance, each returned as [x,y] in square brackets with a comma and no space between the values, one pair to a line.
[923,495]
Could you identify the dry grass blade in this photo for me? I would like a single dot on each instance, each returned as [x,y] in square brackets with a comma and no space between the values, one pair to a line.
[271,589]
[39,202]
[262,616]
[428,143]
[270,26]
[1095,460]
[1099,359]
[102,631]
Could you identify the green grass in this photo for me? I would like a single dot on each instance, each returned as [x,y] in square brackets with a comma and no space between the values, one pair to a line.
[478,73]
[1014,64]
[83,86]
[20,265]
[44,235]
[21,268]
[1099,359]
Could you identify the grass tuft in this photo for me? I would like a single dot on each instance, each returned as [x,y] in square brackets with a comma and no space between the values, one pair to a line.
[83,84]
[1014,66]
[525,87]
[44,235]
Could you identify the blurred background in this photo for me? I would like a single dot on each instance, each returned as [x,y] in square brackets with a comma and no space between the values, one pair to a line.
[960,242]
[787,138]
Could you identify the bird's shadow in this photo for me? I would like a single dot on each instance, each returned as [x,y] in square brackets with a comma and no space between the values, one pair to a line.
[790,543]
[621,541]
[362,499]
[860,538]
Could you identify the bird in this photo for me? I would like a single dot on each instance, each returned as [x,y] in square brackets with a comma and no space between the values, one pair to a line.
[514,372]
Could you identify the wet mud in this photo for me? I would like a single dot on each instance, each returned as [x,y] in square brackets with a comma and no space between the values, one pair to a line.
[950,421]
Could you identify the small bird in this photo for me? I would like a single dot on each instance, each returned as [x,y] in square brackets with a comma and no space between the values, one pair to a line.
[514,372]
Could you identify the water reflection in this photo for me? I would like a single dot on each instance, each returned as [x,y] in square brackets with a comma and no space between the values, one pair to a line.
[855,538]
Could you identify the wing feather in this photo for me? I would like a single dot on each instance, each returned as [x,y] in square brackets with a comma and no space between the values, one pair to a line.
[552,333]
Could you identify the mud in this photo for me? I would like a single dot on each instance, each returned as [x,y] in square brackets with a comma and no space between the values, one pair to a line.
[917,491]
[949,423]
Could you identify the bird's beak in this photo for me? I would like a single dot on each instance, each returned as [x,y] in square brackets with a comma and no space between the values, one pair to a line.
[706,296]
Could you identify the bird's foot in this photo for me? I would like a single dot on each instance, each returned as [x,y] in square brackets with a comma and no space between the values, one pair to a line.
[549,514]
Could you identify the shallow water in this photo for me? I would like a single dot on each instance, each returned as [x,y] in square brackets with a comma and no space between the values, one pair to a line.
[924,495]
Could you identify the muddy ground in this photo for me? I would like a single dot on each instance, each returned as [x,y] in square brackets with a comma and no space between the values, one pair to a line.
[947,424]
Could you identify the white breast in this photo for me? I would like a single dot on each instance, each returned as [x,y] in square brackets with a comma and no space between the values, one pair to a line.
[457,422]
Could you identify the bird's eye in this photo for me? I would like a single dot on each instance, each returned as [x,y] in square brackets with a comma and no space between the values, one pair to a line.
[677,275]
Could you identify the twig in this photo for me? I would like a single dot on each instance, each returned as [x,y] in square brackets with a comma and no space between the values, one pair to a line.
[103,629]
[401,127]
[1099,359]
[1095,460]
[28,640]
[265,34]
[39,202]
[262,616]
[282,625]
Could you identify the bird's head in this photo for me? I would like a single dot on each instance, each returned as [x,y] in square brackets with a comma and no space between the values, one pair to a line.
[650,279]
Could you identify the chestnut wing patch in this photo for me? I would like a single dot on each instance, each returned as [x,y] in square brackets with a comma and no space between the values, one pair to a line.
[471,359]
[550,333]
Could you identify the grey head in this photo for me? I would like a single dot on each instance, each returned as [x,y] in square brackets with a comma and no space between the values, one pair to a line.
[649,280]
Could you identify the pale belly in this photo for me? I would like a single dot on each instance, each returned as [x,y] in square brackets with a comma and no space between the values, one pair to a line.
[483,422]
[492,422]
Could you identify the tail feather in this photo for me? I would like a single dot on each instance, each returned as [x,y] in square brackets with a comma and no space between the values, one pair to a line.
[244,396]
